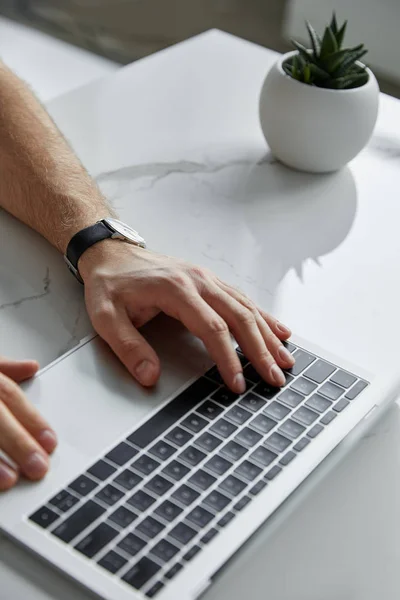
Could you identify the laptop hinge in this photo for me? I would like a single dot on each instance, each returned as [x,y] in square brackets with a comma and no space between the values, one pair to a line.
[201,588]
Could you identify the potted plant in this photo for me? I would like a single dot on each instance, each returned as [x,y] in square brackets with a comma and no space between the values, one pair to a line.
[318,106]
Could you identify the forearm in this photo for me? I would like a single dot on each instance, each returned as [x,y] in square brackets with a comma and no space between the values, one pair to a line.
[42,182]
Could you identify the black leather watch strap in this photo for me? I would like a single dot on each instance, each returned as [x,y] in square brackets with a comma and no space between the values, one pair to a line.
[81,241]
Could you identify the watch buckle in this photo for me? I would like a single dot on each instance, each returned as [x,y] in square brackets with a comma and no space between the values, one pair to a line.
[73,269]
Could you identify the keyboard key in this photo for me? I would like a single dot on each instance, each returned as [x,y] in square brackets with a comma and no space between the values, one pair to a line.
[184,403]
[123,517]
[215,375]
[159,485]
[150,527]
[168,510]
[173,571]
[64,501]
[164,550]
[210,535]
[318,403]
[276,411]
[192,456]
[141,573]
[225,396]
[288,379]
[83,485]
[202,480]
[96,540]
[162,450]
[314,431]
[266,390]
[344,379]
[243,502]
[320,371]
[291,398]
[273,473]
[291,429]
[141,501]
[328,418]
[223,428]
[78,521]
[247,470]
[194,422]
[209,409]
[176,470]
[109,495]
[182,533]
[285,460]
[232,485]
[248,437]
[303,360]
[226,519]
[208,442]
[301,444]
[278,442]
[132,544]
[101,470]
[200,517]
[251,374]
[112,562]
[216,501]
[304,386]
[238,415]
[257,488]
[185,495]
[356,389]
[192,553]
[218,465]
[264,456]
[179,436]
[127,479]
[341,405]
[291,347]
[243,360]
[44,517]
[263,423]
[305,415]
[233,451]
[121,454]
[151,593]
[252,402]
[145,464]
[330,390]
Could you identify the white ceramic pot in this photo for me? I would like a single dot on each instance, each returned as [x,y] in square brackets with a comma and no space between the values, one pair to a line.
[315,129]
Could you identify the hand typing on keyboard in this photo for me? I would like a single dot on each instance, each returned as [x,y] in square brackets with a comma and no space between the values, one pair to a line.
[24,435]
[126,286]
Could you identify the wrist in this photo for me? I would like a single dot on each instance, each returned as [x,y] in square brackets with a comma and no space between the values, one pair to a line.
[106,253]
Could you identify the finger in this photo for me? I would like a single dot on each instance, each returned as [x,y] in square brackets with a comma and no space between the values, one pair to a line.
[18,370]
[248,331]
[20,446]
[8,476]
[26,414]
[202,320]
[115,327]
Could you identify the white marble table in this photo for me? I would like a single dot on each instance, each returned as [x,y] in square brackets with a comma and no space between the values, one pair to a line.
[175,143]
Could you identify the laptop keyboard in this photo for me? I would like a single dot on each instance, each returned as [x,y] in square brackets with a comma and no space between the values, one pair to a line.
[153,502]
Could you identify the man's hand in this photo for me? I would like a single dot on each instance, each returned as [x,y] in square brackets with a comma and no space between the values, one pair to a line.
[24,435]
[126,286]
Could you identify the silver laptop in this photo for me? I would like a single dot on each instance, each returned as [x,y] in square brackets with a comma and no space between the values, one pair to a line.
[150,493]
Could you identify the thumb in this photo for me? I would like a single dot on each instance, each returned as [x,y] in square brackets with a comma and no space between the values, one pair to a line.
[116,328]
[18,370]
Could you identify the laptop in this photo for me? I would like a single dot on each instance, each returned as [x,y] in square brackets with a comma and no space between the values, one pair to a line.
[150,493]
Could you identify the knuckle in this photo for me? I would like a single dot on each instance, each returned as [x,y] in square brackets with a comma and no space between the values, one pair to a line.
[265,357]
[245,317]
[130,347]
[178,279]
[217,326]
[197,272]
[102,312]
[8,388]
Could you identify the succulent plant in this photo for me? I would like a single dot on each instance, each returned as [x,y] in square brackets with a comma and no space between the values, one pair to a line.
[327,64]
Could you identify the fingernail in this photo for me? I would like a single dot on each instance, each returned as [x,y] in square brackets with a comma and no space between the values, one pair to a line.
[285,355]
[145,372]
[239,383]
[7,476]
[48,439]
[277,375]
[283,329]
[36,465]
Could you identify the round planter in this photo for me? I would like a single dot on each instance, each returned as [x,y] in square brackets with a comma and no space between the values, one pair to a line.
[316,129]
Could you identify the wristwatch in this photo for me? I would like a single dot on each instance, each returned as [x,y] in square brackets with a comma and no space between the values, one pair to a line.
[102,230]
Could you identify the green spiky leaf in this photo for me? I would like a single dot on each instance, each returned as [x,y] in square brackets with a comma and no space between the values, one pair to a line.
[329,44]
[303,52]
[349,61]
[340,34]
[318,73]
[314,38]
[333,24]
